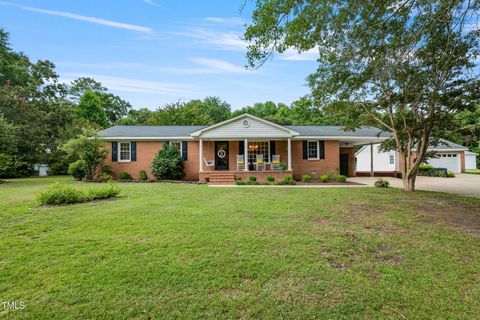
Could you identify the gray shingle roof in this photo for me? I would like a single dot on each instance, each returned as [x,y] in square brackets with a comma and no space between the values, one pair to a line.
[337,131]
[149,131]
[185,131]
[446,145]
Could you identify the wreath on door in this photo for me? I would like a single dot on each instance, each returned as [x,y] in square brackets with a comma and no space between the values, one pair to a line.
[221,154]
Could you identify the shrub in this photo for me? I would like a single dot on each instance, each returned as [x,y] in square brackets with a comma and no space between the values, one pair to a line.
[58,193]
[252,179]
[381,183]
[341,178]
[123,175]
[167,163]
[240,182]
[270,178]
[106,191]
[252,182]
[323,178]
[61,194]
[331,175]
[450,174]
[105,177]
[143,175]
[286,180]
[306,178]
[282,166]
[77,169]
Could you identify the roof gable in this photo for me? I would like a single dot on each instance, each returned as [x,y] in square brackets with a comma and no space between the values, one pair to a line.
[245,126]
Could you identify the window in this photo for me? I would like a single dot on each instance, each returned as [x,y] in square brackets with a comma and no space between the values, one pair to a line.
[260,147]
[124,152]
[312,150]
[391,158]
[454,155]
[179,147]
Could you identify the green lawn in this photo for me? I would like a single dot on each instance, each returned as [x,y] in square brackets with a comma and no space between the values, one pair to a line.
[473,171]
[189,251]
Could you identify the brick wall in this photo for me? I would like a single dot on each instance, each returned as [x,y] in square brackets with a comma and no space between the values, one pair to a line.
[315,168]
[146,151]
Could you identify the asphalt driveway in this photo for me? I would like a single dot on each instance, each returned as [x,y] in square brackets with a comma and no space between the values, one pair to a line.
[466,184]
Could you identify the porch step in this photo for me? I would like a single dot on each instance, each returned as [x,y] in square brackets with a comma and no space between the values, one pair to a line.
[221,178]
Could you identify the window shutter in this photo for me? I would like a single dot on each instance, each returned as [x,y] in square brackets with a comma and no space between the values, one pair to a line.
[114,151]
[305,150]
[241,147]
[133,151]
[322,149]
[184,150]
[272,149]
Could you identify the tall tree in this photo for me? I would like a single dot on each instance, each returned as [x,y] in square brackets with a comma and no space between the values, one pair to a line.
[405,65]
[90,108]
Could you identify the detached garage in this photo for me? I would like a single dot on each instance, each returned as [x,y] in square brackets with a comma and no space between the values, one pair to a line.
[450,161]
[470,160]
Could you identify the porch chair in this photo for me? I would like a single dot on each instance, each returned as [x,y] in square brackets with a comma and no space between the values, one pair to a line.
[240,162]
[209,163]
[260,163]
[275,162]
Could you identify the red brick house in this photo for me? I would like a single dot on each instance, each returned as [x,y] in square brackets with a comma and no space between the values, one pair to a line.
[212,153]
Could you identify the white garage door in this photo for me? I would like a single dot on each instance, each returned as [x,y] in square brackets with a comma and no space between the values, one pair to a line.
[451,161]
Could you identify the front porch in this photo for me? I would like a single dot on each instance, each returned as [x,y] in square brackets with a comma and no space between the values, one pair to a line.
[225,161]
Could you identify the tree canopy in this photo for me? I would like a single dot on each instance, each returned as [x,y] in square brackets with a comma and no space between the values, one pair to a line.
[404,66]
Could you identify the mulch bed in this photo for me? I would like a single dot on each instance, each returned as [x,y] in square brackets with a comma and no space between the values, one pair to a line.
[329,183]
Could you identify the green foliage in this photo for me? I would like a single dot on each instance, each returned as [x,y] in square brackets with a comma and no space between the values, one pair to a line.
[108,190]
[77,169]
[323,178]
[286,180]
[143,175]
[450,174]
[331,175]
[252,178]
[341,178]
[306,178]
[167,163]
[282,166]
[90,108]
[124,175]
[88,147]
[240,182]
[270,178]
[409,76]
[382,183]
[61,194]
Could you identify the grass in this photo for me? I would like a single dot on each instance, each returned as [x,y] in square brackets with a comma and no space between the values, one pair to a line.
[189,251]
[472,171]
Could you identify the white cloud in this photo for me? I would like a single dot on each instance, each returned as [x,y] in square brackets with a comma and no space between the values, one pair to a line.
[219,65]
[74,16]
[228,20]
[151,2]
[230,41]
[294,55]
[133,85]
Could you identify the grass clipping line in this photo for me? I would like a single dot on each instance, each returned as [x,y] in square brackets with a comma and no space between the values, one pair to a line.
[58,194]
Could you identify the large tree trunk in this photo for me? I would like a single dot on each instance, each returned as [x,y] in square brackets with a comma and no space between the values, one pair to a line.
[408,178]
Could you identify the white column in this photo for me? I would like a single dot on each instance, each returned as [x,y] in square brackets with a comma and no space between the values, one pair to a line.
[371,160]
[245,154]
[289,153]
[200,154]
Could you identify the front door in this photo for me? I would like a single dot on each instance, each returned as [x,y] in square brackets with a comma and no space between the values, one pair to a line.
[221,155]
[344,164]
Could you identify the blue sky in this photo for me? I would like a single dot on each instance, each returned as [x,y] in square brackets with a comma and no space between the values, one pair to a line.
[151,52]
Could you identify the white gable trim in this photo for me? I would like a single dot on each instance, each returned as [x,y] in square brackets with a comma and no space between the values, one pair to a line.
[246,115]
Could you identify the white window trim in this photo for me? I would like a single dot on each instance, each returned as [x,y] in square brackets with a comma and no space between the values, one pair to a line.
[318,149]
[390,158]
[120,151]
[256,141]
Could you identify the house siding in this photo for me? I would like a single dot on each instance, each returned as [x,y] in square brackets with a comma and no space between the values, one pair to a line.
[146,151]
[315,168]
